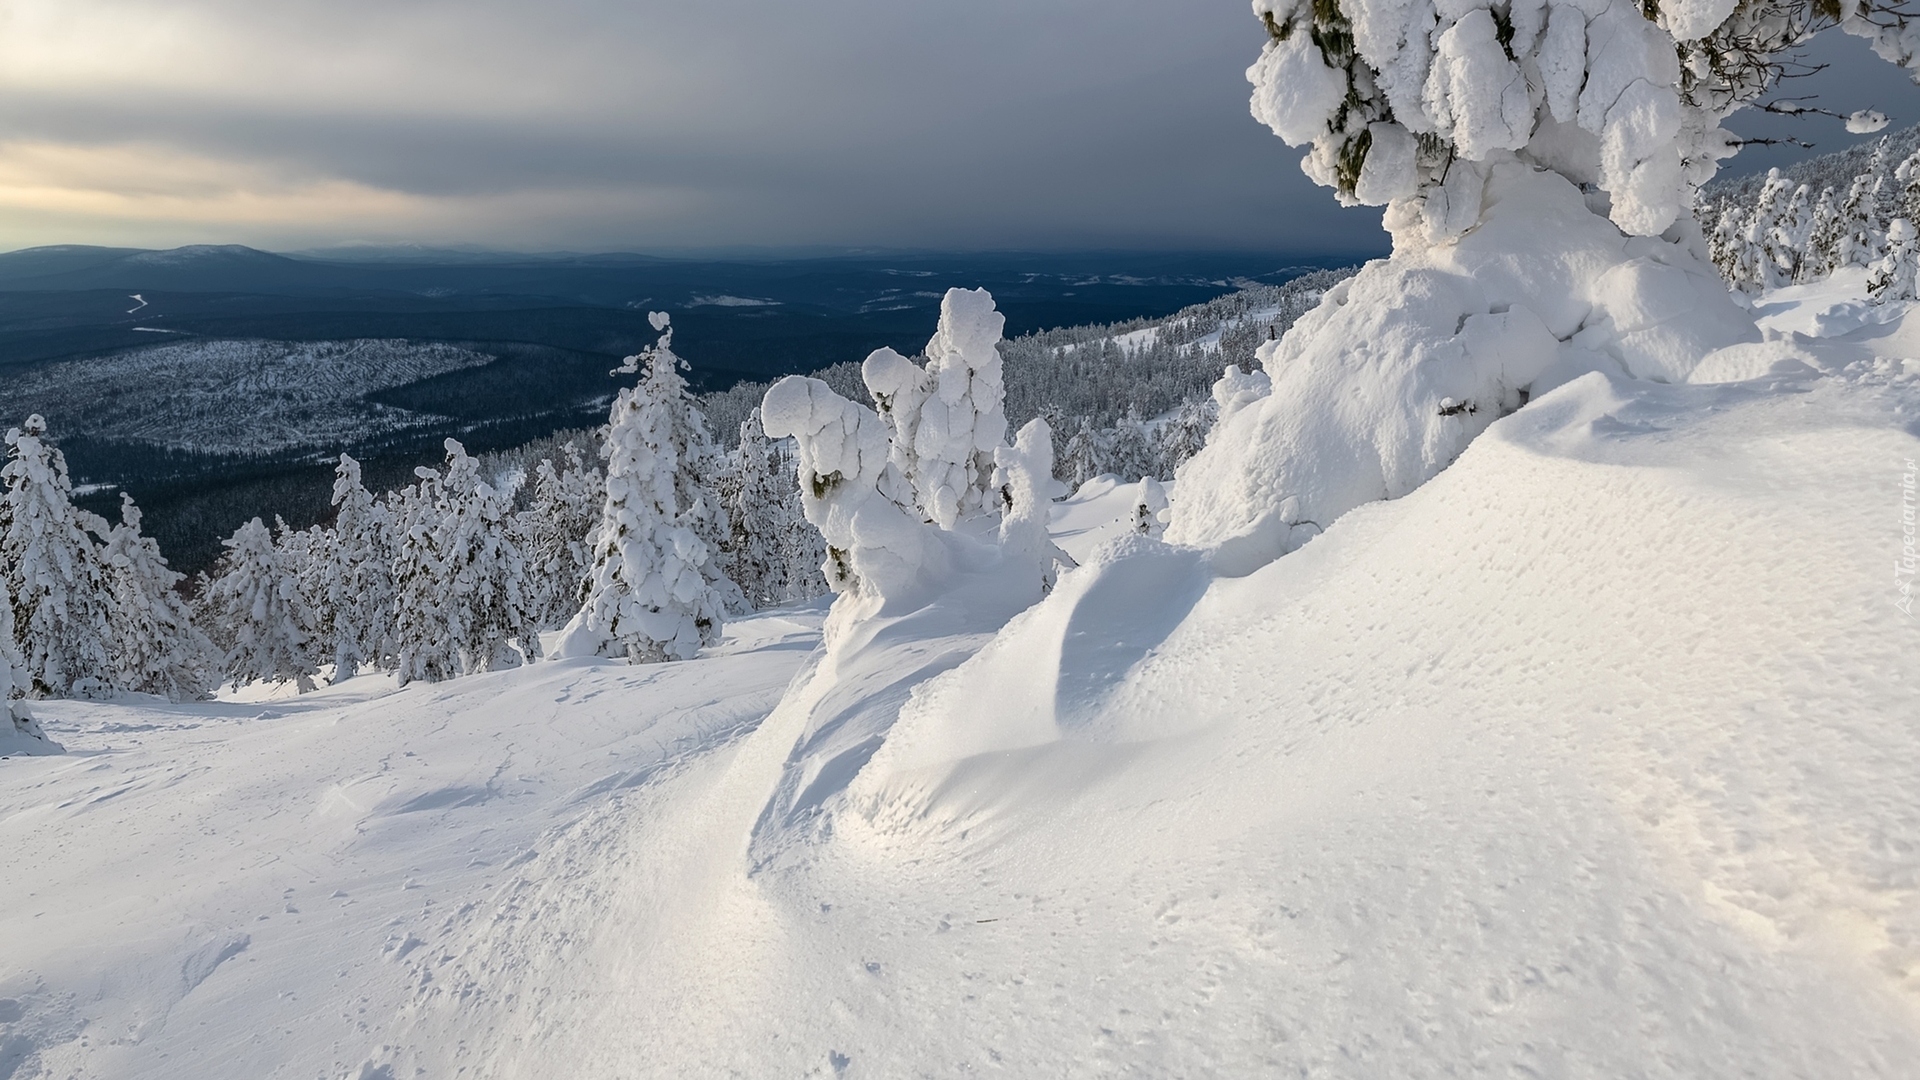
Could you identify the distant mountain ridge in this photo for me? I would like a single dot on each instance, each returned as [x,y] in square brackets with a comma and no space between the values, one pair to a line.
[195,268]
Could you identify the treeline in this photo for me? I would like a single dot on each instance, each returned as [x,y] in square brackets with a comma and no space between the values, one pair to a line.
[1130,398]
[1784,232]
[453,574]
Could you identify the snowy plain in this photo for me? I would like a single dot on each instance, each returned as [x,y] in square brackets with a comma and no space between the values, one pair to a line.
[1595,755]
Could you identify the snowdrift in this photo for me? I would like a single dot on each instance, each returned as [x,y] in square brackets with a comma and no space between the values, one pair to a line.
[1388,380]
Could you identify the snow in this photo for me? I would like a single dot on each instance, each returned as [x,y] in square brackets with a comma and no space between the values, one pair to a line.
[235,396]
[724,300]
[1102,510]
[293,878]
[1865,121]
[1386,382]
[1591,754]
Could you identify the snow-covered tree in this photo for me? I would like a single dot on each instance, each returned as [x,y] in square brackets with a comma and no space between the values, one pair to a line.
[53,572]
[1413,105]
[802,549]
[1184,435]
[1892,277]
[557,532]
[1131,451]
[1149,507]
[1023,479]
[1727,246]
[1538,162]
[1860,222]
[946,419]
[254,610]
[1080,461]
[1771,254]
[484,574]
[19,732]
[761,517]
[1907,197]
[1823,239]
[1792,235]
[304,553]
[157,649]
[423,631]
[357,592]
[878,546]
[657,590]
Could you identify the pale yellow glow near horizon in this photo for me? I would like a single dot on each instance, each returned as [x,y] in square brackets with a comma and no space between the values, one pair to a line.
[61,194]
[198,61]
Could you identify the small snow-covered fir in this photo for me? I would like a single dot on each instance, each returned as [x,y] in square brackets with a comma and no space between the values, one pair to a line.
[54,573]
[656,590]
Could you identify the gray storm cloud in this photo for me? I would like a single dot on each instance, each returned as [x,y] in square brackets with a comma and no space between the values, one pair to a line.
[593,125]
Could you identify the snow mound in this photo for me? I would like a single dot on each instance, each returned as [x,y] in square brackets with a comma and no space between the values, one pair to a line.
[1388,380]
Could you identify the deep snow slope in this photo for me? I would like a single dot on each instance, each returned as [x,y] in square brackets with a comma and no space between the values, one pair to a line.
[252,889]
[1594,756]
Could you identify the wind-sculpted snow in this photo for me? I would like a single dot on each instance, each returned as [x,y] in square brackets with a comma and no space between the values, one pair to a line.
[1498,778]
[946,419]
[239,397]
[1383,385]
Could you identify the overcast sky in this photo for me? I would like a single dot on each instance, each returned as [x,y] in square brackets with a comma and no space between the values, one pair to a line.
[643,124]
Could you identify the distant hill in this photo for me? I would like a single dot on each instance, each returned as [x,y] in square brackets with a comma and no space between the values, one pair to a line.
[198,268]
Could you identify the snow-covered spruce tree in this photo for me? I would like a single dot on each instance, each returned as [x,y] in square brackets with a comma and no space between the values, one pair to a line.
[53,572]
[758,521]
[656,590]
[254,611]
[1906,201]
[946,419]
[157,649]
[1131,451]
[1860,233]
[1080,461]
[1538,160]
[803,551]
[357,590]
[304,553]
[1892,277]
[1792,235]
[425,620]
[1023,479]
[1823,240]
[19,733]
[1768,255]
[1727,246]
[484,574]
[1184,435]
[556,531]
